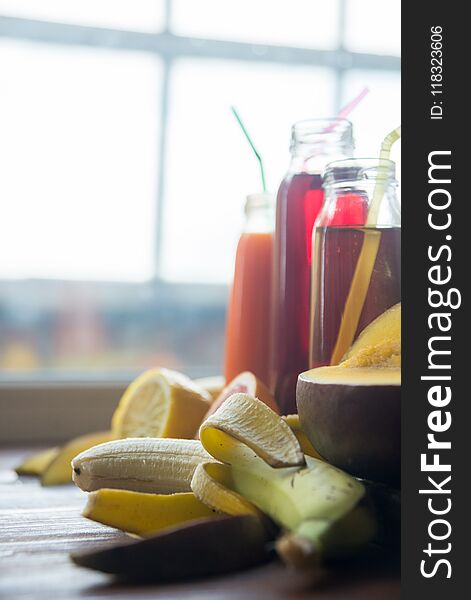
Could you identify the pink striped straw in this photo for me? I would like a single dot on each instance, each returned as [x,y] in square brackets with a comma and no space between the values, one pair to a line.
[347,109]
[343,114]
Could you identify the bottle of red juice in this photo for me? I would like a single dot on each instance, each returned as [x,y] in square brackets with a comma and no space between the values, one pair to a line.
[314,143]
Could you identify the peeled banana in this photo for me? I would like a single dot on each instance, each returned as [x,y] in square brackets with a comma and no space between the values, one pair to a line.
[158,465]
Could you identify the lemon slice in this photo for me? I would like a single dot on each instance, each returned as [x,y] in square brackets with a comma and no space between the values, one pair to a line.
[161,403]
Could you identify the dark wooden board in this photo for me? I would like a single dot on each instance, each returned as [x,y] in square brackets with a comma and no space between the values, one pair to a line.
[39,527]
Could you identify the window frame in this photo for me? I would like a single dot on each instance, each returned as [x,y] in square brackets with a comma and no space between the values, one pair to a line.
[30,403]
[170,47]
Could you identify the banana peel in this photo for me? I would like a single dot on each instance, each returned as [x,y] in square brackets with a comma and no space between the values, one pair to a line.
[264,464]
[37,463]
[243,426]
[199,549]
[304,442]
[59,470]
[144,514]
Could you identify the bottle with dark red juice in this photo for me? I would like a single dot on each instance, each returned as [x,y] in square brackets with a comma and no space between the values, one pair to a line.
[314,143]
[356,264]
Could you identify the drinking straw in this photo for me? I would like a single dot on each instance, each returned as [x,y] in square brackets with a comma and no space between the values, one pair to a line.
[343,114]
[365,263]
[348,108]
[252,145]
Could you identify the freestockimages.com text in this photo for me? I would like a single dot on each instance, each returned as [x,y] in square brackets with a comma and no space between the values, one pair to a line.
[442,299]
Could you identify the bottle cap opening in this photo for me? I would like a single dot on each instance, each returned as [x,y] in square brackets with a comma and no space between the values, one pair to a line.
[360,170]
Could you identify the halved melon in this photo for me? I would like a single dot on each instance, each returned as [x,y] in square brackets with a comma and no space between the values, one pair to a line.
[352,416]
[379,344]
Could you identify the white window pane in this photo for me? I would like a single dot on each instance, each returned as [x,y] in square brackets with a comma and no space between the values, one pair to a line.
[306,23]
[373,26]
[136,15]
[78,155]
[211,168]
[379,112]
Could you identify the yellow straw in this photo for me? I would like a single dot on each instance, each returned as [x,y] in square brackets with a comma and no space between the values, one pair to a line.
[365,263]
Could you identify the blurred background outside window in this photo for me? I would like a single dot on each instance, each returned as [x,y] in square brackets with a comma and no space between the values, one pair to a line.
[123,174]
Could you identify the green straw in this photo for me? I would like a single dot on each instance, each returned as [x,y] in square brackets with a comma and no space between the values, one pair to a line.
[252,145]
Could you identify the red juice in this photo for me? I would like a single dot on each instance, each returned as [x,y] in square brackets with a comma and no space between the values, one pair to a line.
[336,258]
[300,198]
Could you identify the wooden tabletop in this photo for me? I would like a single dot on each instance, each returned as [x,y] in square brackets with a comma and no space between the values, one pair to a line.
[39,527]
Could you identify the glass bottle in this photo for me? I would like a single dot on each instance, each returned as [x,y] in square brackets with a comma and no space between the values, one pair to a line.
[248,327]
[356,265]
[314,143]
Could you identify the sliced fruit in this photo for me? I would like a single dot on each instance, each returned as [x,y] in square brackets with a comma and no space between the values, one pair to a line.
[214,385]
[143,514]
[353,418]
[306,446]
[246,383]
[379,344]
[203,548]
[59,470]
[243,425]
[161,403]
[37,463]
[154,465]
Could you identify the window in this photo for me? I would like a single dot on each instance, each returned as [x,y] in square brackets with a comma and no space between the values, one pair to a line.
[124,174]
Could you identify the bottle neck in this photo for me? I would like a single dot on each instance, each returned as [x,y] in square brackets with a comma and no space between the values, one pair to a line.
[360,192]
[259,213]
[315,143]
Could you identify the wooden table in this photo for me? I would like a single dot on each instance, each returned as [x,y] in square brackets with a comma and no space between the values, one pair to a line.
[39,527]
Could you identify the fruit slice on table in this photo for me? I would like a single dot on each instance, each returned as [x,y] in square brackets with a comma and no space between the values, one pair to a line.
[59,470]
[214,385]
[37,463]
[379,344]
[203,548]
[143,514]
[155,465]
[306,446]
[161,403]
[246,383]
[353,418]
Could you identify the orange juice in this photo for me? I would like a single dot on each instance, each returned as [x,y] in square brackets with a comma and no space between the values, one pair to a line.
[249,313]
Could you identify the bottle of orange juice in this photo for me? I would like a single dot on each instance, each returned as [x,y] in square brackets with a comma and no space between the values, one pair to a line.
[249,312]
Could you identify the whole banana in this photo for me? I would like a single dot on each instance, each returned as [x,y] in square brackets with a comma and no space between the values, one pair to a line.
[159,465]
